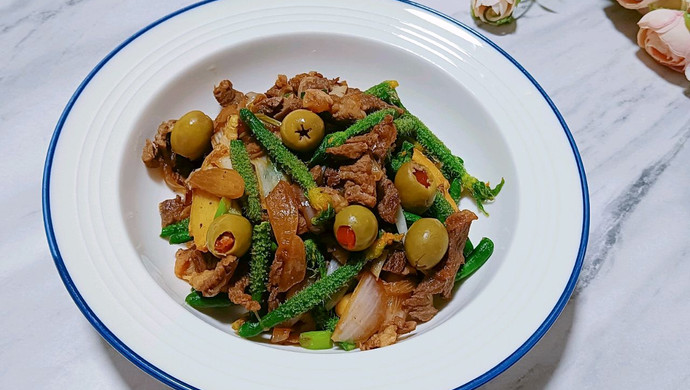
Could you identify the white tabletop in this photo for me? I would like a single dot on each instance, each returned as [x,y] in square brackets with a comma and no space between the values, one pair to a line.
[626,325]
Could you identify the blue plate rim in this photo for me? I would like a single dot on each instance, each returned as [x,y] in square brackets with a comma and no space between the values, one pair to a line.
[170,380]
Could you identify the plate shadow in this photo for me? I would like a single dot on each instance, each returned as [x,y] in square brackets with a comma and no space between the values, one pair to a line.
[535,369]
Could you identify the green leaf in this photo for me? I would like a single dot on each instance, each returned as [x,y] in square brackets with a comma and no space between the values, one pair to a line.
[455,190]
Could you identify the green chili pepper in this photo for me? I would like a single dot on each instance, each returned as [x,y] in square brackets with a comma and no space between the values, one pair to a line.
[476,259]
[317,339]
[198,301]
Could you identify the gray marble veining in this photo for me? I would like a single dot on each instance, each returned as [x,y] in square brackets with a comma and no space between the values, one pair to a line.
[624,327]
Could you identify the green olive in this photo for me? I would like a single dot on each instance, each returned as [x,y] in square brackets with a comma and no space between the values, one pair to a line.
[425,243]
[355,228]
[302,130]
[191,135]
[229,234]
[416,187]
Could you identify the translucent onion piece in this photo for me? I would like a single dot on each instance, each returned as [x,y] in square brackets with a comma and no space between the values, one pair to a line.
[366,312]
[267,175]
[400,221]
[332,266]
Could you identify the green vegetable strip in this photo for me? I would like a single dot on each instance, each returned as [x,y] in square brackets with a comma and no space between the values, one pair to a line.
[405,155]
[406,125]
[476,259]
[440,209]
[177,232]
[260,260]
[198,301]
[469,247]
[317,339]
[179,238]
[339,137]
[385,91]
[291,165]
[281,156]
[411,218]
[174,228]
[223,207]
[241,163]
[455,190]
[306,299]
[452,166]
[332,322]
[315,259]
[348,345]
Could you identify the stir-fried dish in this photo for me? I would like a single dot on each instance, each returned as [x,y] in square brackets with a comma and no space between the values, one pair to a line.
[329,213]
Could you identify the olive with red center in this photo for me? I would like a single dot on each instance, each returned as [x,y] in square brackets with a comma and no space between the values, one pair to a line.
[355,228]
[229,234]
[416,187]
[302,130]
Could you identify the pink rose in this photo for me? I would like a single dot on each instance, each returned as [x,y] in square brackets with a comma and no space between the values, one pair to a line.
[639,4]
[493,11]
[665,37]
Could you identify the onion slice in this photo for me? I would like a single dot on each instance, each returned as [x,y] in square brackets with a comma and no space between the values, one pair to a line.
[400,222]
[366,312]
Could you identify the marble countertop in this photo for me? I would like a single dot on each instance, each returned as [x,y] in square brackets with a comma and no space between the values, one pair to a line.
[626,325]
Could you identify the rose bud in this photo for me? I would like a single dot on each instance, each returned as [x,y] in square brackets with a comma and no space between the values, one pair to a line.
[664,36]
[493,11]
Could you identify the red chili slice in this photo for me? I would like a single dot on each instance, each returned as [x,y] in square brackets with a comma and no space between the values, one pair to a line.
[224,243]
[421,177]
[346,237]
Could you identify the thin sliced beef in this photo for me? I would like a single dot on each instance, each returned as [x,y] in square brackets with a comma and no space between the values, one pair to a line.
[349,150]
[389,200]
[383,135]
[204,272]
[213,281]
[318,83]
[395,262]
[189,262]
[226,95]
[159,154]
[148,155]
[331,176]
[253,147]
[389,333]
[267,105]
[355,104]
[360,181]
[155,152]
[316,173]
[441,279]
[371,103]
[277,106]
[288,104]
[238,296]
[383,338]
[377,142]
[175,210]
[348,107]
[280,88]
[312,80]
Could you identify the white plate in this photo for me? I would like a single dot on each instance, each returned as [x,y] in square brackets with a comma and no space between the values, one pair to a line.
[100,202]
